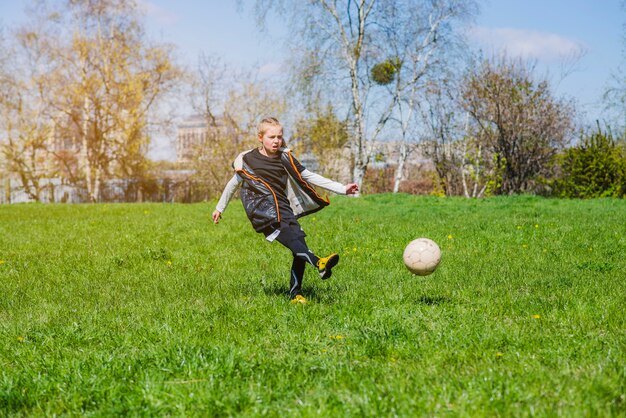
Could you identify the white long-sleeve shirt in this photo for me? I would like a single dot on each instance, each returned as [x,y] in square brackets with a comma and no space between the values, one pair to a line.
[308,176]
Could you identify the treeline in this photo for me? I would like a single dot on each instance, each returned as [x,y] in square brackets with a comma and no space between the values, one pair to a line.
[502,131]
[384,93]
[81,88]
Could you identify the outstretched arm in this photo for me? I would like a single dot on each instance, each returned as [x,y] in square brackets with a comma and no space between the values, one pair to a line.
[328,184]
[227,194]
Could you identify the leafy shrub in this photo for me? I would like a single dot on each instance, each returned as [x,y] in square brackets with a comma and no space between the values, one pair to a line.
[594,168]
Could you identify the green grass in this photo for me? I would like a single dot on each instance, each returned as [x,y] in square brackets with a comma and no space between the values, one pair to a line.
[149,309]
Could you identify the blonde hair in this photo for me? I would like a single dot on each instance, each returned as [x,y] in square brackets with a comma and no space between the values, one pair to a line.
[269,121]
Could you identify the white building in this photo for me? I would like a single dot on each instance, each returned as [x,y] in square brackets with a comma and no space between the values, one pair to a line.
[191,133]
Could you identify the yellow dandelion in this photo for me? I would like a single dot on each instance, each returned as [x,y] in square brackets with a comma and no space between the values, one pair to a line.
[339,337]
[354,249]
[450,236]
[536,316]
[524,245]
[2,262]
[519,227]
[499,354]
[20,339]
[169,262]
[536,225]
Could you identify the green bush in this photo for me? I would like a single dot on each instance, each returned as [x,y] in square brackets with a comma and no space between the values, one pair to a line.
[594,168]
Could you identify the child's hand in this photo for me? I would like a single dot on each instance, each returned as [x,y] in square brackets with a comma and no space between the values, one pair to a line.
[352,188]
[216,216]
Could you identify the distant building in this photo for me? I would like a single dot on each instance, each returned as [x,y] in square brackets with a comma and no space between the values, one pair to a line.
[195,136]
[191,133]
[64,139]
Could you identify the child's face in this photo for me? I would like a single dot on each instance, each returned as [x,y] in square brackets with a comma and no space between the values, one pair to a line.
[272,139]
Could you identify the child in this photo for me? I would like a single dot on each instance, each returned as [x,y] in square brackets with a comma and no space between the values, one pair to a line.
[276,191]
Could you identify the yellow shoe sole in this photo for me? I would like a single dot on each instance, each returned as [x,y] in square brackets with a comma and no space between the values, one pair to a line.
[326,264]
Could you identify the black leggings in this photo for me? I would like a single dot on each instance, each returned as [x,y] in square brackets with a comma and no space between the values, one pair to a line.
[293,239]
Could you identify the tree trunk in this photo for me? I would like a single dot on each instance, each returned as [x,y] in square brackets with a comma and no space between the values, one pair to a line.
[7,190]
[50,186]
[404,153]
[85,163]
[96,188]
[359,173]
[463,170]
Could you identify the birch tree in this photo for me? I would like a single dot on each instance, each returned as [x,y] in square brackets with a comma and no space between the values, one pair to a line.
[340,42]
[24,112]
[105,82]
[423,43]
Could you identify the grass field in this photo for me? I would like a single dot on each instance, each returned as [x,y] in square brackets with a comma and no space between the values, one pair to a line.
[149,309]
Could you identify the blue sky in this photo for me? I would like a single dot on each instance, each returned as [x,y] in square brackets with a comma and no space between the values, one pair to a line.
[548,31]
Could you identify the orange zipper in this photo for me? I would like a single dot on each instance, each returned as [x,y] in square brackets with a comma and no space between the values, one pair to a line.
[302,180]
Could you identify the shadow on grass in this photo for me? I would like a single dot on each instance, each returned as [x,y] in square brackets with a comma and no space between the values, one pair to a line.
[433,300]
[282,290]
[275,289]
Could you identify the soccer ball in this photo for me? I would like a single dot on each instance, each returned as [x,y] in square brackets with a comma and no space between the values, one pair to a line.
[422,256]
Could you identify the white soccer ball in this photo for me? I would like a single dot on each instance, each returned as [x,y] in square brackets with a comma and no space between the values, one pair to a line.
[422,256]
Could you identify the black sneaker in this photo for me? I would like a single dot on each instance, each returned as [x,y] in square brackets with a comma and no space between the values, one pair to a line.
[325,265]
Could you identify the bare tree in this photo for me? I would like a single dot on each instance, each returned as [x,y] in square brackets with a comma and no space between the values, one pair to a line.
[423,43]
[103,82]
[342,32]
[476,171]
[25,122]
[341,42]
[231,103]
[517,120]
[442,135]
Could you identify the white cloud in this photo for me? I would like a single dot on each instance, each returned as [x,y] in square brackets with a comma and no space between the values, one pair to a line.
[270,69]
[158,13]
[526,43]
